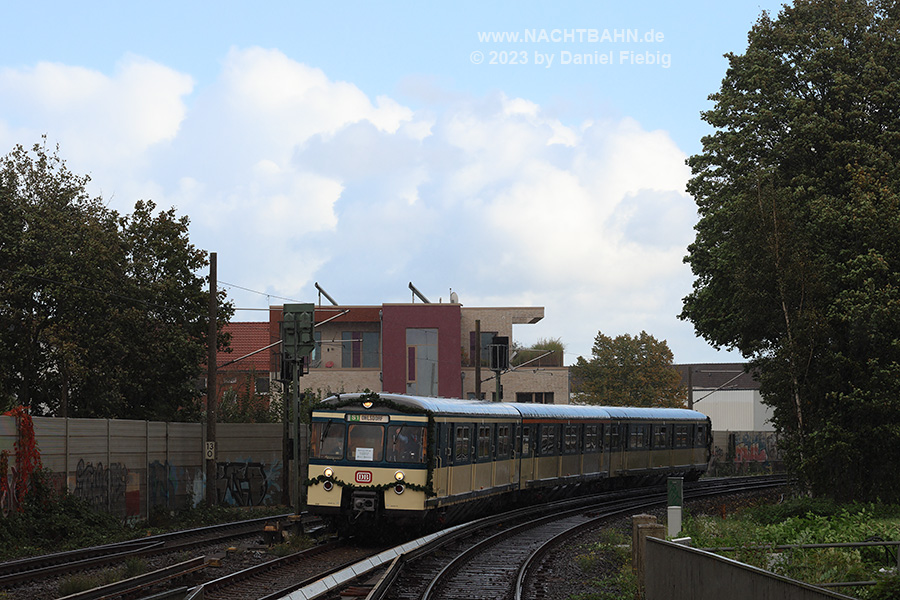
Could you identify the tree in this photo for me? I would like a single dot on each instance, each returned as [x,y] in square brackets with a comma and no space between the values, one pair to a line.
[797,253]
[101,314]
[629,371]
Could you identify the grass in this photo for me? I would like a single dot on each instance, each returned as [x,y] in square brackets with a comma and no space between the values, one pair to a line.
[606,566]
[798,521]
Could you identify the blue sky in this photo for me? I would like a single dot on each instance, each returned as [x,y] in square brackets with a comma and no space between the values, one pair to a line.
[366,145]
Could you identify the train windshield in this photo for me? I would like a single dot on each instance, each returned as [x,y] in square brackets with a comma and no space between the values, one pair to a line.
[365,442]
[328,439]
[406,444]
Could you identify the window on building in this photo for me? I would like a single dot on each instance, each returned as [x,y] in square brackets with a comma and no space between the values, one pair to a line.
[422,361]
[486,338]
[360,349]
[315,357]
[536,397]
[262,385]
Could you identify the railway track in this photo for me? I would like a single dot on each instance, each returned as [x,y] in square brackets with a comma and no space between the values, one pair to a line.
[493,558]
[16,575]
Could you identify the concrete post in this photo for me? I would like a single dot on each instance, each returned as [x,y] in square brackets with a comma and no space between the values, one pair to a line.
[636,521]
[655,530]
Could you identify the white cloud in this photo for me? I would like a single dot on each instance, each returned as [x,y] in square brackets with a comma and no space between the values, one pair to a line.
[99,119]
[292,177]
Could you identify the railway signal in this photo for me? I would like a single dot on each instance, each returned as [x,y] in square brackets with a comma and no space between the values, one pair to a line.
[297,343]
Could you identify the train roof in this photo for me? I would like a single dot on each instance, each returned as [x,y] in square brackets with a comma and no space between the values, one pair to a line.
[453,406]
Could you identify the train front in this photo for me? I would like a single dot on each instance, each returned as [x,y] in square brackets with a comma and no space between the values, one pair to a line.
[368,461]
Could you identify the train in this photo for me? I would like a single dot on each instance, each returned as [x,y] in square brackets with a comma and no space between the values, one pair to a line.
[408,460]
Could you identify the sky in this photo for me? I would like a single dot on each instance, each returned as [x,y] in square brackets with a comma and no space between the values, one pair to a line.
[516,153]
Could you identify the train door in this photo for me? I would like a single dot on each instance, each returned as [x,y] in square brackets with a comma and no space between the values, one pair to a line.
[460,480]
[617,432]
[442,455]
[571,453]
[526,453]
[483,470]
[548,455]
[515,463]
[591,452]
[503,455]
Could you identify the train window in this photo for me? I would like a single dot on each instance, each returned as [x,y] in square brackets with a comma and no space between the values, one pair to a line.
[615,440]
[659,436]
[526,440]
[570,439]
[701,436]
[406,443]
[327,440]
[548,440]
[462,444]
[591,438]
[503,441]
[485,439]
[681,436]
[638,436]
[365,442]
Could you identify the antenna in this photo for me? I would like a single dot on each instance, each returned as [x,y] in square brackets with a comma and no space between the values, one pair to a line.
[418,293]
[324,293]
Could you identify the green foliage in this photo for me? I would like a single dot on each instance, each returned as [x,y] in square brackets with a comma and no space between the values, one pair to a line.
[804,521]
[103,314]
[536,355]
[628,371]
[244,406]
[797,257]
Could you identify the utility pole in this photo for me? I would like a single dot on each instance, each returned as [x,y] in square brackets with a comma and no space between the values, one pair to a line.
[478,359]
[211,387]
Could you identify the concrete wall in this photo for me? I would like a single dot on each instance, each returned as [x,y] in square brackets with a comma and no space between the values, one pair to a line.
[129,467]
[676,571]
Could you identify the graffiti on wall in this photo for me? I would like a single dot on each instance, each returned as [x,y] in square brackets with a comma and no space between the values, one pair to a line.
[238,483]
[173,486]
[744,452]
[246,483]
[110,488]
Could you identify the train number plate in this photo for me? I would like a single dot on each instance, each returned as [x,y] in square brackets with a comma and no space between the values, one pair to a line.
[364,477]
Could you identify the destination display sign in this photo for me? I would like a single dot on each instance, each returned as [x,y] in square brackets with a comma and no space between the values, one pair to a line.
[367,418]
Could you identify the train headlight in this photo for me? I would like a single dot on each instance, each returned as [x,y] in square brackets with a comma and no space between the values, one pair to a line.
[368,404]
[398,489]
[328,486]
[329,472]
[399,476]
